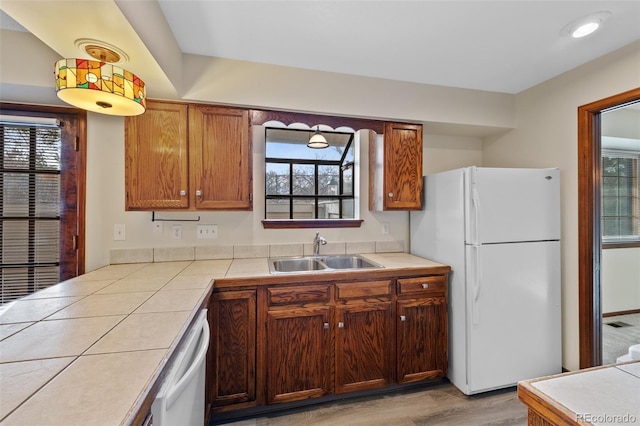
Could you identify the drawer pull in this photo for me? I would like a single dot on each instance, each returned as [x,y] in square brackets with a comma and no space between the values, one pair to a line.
[340,324]
[425,285]
[403,318]
[183,193]
[326,325]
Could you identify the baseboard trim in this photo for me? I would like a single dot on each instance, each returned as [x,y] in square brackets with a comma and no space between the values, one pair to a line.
[613,314]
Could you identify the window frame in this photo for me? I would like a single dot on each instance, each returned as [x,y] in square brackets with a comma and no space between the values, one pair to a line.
[260,117]
[340,164]
[609,242]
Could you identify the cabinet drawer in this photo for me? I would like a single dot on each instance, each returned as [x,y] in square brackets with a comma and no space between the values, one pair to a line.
[298,295]
[420,285]
[363,289]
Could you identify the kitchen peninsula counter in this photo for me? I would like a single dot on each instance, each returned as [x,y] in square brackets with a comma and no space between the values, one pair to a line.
[595,396]
[92,349]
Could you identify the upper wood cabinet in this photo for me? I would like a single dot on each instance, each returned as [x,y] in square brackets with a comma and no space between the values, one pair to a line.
[395,168]
[156,161]
[188,156]
[220,157]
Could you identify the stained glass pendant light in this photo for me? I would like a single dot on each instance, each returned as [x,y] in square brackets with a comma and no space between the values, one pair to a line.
[98,85]
[317,140]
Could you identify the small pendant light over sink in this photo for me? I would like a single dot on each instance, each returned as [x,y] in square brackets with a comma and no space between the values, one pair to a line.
[98,85]
[317,140]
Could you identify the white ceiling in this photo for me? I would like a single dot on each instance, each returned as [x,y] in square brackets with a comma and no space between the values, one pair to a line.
[502,46]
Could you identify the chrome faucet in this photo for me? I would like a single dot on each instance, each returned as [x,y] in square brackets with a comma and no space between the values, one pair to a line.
[316,244]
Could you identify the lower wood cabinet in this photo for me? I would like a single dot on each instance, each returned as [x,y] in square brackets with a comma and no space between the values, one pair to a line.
[422,330]
[298,354]
[292,342]
[364,341]
[232,351]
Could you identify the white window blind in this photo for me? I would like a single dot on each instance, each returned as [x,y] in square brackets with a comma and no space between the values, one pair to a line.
[30,197]
[620,196]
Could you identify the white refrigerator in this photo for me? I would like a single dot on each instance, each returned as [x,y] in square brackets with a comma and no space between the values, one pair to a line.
[499,230]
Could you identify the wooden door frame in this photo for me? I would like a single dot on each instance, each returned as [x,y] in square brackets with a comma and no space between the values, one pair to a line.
[79,119]
[589,236]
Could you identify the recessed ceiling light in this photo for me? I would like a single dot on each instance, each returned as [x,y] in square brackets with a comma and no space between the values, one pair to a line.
[584,26]
[585,29]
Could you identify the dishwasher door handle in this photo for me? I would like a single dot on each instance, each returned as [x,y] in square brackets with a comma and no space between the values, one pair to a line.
[176,389]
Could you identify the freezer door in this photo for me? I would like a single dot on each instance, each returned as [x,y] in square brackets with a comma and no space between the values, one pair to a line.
[510,205]
[514,324]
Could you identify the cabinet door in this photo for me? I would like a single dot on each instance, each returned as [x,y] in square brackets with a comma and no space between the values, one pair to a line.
[298,354]
[233,348]
[422,339]
[364,347]
[220,157]
[402,167]
[156,163]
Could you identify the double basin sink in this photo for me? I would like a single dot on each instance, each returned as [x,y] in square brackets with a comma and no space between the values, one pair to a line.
[286,265]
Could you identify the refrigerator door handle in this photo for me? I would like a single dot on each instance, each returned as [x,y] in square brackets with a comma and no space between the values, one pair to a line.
[477,269]
[475,215]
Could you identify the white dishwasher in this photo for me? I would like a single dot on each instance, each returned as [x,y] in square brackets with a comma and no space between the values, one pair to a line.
[180,401]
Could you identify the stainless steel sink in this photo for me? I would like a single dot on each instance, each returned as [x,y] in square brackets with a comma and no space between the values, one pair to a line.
[288,265]
[301,264]
[349,262]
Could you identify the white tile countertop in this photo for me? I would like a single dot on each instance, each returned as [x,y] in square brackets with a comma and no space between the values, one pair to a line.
[597,396]
[91,350]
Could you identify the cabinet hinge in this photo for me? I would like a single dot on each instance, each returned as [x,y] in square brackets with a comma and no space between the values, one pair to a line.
[251,197]
[77,143]
[75,242]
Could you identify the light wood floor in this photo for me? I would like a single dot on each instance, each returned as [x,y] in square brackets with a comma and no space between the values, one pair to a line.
[436,405]
[616,341]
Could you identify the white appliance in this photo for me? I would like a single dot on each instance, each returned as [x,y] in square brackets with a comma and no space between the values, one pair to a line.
[499,230]
[180,401]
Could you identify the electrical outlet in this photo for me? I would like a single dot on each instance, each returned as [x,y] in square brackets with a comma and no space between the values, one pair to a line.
[157,228]
[385,228]
[176,232]
[118,232]
[207,232]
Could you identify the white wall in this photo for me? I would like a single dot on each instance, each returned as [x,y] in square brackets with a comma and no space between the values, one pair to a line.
[546,136]
[620,279]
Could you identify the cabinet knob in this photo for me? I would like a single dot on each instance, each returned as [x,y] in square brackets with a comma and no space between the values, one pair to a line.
[198,193]
[391,195]
[340,324]
[403,318]
[183,192]
[425,285]
[326,325]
